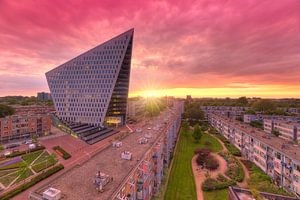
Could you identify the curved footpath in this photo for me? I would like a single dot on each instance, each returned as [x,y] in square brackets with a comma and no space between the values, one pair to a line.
[199,174]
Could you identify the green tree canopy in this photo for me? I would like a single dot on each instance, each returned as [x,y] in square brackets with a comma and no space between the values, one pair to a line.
[243,101]
[264,105]
[6,110]
[197,133]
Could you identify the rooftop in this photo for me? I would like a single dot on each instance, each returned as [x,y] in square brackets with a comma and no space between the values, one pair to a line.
[77,182]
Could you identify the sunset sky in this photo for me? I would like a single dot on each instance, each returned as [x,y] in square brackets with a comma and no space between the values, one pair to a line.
[203,48]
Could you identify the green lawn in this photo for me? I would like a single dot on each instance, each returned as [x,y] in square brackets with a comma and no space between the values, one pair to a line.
[262,182]
[6,180]
[216,195]
[24,173]
[5,172]
[30,157]
[45,163]
[42,158]
[14,166]
[181,183]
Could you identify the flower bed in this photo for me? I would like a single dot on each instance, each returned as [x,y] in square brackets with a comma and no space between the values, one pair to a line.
[60,151]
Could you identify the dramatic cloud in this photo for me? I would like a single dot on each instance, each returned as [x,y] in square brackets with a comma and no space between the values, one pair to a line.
[178,44]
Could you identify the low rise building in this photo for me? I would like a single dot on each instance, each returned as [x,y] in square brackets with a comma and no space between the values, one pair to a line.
[228,111]
[43,96]
[277,157]
[135,108]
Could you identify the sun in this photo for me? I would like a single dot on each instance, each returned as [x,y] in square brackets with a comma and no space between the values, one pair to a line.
[150,93]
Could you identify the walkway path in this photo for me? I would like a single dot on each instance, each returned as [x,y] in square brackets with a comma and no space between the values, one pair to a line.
[243,184]
[199,174]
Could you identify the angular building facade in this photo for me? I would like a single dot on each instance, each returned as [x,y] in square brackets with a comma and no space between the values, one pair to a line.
[93,87]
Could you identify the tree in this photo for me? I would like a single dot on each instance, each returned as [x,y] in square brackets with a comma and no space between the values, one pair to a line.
[242,101]
[185,126]
[264,105]
[197,133]
[6,110]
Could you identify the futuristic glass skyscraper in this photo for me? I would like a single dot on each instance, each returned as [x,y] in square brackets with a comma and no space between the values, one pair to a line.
[93,87]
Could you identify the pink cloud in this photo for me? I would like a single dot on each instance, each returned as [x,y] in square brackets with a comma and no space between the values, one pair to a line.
[177,43]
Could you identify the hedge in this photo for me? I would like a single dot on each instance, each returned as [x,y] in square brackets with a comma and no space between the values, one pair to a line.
[24,152]
[217,184]
[65,154]
[32,182]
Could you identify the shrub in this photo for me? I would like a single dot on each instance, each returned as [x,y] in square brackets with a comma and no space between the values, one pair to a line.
[202,155]
[211,163]
[65,154]
[235,170]
[217,184]
[24,152]
[32,182]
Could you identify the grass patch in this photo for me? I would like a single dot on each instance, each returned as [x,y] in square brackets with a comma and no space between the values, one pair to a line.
[6,180]
[30,157]
[232,149]
[42,158]
[181,183]
[216,195]
[14,166]
[5,172]
[49,161]
[260,181]
[24,173]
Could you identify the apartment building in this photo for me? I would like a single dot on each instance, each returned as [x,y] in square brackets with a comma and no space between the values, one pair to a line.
[27,121]
[43,96]
[228,111]
[24,126]
[286,129]
[277,157]
[259,117]
[145,180]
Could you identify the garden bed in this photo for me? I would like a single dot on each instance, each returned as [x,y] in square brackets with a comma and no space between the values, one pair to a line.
[32,182]
[60,151]
[235,169]
[221,182]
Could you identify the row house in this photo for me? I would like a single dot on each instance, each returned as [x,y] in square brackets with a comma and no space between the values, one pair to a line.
[277,157]
[288,130]
[17,127]
[144,181]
